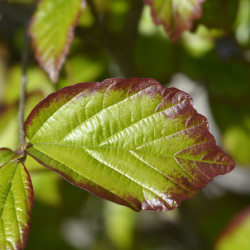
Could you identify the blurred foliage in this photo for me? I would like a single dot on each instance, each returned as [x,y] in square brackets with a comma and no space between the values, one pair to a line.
[118,38]
[236,233]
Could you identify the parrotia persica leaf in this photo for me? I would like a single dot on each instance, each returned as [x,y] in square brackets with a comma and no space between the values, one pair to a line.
[175,15]
[236,235]
[5,155]
[52,31]
[130,141]
[16,199]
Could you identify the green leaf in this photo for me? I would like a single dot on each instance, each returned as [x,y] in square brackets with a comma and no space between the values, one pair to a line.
[37,80]
[236,235]
[45,183]
[130,141]
[46,187]
[8,119]
[175,15]
[52,31]
[8,125]
[5,155]
[229,101]
[227,17]
[16,199]
[120,225]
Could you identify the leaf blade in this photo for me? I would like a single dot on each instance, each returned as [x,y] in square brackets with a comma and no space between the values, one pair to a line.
[52,31]
[16,200]
[110,128]
[175,15]
[6,155]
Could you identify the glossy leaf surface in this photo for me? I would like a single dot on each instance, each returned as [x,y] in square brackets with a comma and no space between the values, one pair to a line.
[16,199]
[175,15]
[52,31]
[236,235]
[130,141]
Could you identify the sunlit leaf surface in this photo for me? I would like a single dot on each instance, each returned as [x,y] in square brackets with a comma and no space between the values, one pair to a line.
[130,141]
[175,15]
[16,199]
[52,30]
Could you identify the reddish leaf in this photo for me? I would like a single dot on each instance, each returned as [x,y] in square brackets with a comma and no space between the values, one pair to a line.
[130,141]
[52,31]
[175,15]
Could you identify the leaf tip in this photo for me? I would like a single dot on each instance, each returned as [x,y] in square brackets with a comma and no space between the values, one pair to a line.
[52,56]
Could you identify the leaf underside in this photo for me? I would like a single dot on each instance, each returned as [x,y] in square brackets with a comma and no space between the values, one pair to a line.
[16,199]
[175,15]
[132,141]
[52,31]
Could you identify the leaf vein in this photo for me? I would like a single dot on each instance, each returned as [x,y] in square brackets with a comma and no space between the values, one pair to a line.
[131,125]
[127,149]
[158,171]
[109,107]
[127,176]
[122,198]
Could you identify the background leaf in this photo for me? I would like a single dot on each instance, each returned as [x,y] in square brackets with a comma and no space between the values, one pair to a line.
[175,15]
[236,235]
[16,199]
[130,141]
[52,30]
[225,20]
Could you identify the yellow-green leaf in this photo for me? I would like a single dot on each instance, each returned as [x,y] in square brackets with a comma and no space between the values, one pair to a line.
[52,31]
[16,199]
[6,155]
[130,141]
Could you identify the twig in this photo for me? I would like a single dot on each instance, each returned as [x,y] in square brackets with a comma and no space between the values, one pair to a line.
[23,89]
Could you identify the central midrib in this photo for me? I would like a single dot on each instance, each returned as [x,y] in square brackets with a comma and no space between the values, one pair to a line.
[135,150]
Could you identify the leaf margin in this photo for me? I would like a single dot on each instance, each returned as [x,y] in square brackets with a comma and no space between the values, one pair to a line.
[21,243]
[177,32]
[54,73]
[70,89]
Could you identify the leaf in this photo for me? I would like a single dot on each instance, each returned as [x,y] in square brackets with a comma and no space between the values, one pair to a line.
[229,101]
[46,187]
[5,155]
[37,80]
[130,141]
[225,20]
[8,125]
[121,236]
[175,15]
[16,199]
[236,235]
[8,119]
[52,31]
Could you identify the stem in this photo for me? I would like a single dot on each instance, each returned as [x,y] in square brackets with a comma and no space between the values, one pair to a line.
[23,84]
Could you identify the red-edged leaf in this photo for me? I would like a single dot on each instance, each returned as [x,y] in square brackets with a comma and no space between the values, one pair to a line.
[16,200]
[52,31]
[175,15]
[130,141]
